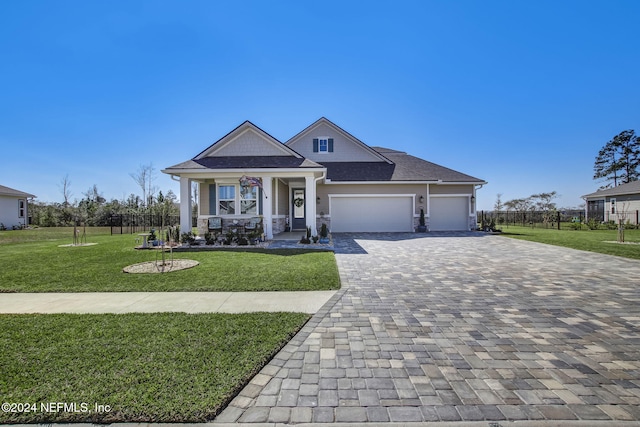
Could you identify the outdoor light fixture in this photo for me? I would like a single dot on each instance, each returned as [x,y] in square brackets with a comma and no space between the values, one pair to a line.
[318,200]
[421,199]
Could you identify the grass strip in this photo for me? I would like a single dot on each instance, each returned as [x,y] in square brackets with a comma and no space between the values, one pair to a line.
[601,241]
[38,264]
[163,367]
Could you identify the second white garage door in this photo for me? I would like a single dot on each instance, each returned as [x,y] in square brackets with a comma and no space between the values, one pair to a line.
[449,213]
[371,213]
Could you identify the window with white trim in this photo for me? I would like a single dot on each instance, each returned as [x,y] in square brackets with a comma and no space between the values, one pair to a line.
[249,200]
[323,144]
[234,199]
[226,200]
[22,208]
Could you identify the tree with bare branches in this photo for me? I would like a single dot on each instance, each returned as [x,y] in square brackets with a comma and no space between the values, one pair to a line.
[144,177]
[65,185]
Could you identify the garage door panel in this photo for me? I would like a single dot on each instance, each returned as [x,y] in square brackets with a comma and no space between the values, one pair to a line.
[354,213]
[449,213]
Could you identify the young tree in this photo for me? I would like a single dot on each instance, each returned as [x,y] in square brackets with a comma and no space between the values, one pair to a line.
[65,185]
[144,178]
[510,205]
[498,206]
[89,205]
[544,203]
[522,206]
[618,161]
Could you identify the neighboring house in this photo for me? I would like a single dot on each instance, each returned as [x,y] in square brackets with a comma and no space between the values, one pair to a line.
[14,207]
[322,175]
[612,204]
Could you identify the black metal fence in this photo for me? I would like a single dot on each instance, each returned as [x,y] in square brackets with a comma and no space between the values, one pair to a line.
[136,223]
[548,219]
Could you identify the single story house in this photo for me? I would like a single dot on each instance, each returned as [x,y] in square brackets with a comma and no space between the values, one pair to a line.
[14,208]
[321,175]
[613,204]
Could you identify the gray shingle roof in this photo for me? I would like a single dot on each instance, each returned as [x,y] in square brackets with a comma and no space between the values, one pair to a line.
[246,162]
[411,168]
[404,167]
[6,191]
[234,162]
[628,188]
[359,171]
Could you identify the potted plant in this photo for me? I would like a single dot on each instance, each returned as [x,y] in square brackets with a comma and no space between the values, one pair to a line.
[306,239]
[324,234]
[153,239]
[422,227]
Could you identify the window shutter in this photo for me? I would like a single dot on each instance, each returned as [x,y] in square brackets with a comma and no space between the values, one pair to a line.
[315,145]
[212,199]
[331,145]
[260,201]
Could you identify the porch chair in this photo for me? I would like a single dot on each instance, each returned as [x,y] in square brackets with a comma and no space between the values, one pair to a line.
[215,224]
[253,224]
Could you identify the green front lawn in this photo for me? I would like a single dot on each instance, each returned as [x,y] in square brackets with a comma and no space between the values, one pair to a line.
[37,264]
[163,367]
[586,240]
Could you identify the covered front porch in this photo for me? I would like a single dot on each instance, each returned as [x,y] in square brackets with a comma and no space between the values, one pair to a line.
[284,200]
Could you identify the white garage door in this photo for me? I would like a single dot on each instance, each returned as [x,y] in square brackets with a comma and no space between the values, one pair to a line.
[371,213]
[449,213]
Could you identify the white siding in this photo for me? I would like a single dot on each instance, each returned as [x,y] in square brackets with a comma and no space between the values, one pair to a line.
[9,212]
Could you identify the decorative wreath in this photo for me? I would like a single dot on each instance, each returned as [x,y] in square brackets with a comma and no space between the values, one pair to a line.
[298,201]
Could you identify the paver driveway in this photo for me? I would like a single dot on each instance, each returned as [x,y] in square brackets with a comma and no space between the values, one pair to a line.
[460,327]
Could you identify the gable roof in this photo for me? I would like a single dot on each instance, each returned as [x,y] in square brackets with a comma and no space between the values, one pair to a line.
[392,166]
[622,189]
[347,135]
[6,191]
[270,154]
[268,141]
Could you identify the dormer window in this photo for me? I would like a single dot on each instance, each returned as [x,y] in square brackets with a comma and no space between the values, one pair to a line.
[323,145]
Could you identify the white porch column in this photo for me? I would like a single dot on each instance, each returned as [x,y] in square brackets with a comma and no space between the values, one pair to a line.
[267,213]
[310,203]
[185,205]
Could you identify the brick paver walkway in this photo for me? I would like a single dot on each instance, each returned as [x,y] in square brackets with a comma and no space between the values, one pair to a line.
[460,327]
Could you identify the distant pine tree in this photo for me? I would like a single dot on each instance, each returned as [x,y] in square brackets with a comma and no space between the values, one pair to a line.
[618,161]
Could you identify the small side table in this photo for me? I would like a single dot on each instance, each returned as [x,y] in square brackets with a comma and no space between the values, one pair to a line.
[145,236]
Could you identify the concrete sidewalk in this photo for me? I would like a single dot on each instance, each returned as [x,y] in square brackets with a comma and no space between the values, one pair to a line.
[153,302]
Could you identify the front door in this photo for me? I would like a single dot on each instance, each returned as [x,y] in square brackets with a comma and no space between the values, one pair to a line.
[298,221]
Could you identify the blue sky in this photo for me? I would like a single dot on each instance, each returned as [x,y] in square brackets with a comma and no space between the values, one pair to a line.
[520,94]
